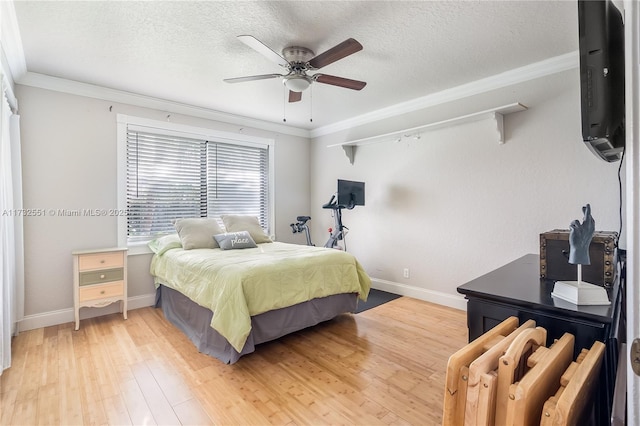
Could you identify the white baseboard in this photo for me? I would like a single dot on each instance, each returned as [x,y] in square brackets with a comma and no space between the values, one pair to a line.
[47,319]
[438,297]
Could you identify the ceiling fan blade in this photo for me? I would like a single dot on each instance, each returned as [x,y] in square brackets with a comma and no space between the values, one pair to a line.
[295,96]
[251,78]
[339,81]
[263,49]
[338,52]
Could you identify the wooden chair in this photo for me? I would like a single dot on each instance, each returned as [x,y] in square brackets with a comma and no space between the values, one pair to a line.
[513,365]
[577,384]
[455,392]
[482,379]
[527,397]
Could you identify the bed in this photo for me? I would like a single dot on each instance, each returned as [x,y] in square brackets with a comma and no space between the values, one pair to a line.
[229,301]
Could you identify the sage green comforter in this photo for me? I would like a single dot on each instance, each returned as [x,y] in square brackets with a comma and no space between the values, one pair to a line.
[237,284]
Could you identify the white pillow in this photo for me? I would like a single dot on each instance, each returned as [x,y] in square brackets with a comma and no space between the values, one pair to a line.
[162,244]
[236,223]
[196,233]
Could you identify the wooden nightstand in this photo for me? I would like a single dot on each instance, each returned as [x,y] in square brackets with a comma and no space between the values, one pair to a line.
[99,279]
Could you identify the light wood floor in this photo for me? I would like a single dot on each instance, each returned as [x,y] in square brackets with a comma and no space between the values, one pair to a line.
[383,366]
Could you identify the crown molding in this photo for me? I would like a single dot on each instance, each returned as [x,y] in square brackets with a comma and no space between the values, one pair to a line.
[11,43]
[517,75]
[57,84]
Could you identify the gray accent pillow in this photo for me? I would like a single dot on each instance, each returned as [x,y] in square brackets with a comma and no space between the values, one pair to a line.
[235,240]
[236,223]
[196,233]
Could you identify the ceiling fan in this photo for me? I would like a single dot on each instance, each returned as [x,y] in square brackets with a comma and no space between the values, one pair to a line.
[297,61]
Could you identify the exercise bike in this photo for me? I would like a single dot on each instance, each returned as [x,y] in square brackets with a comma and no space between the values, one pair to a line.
[335,234]
[340,231]
[301,226]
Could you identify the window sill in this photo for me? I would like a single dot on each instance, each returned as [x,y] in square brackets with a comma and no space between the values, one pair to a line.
[138,248]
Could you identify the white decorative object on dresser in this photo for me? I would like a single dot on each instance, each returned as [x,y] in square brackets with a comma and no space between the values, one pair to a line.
[99,279]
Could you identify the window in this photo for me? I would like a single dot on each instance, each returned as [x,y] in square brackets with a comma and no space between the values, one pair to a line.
[173,171]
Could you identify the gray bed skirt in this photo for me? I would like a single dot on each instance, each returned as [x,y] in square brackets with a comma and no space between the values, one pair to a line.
[194,321]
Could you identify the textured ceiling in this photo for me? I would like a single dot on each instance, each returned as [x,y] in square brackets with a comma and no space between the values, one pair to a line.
[182,50]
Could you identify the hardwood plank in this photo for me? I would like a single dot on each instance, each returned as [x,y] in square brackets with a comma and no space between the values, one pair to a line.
[118,360]
[116,411]
[34,337]
[69,398]
[48,409]
[125,345]
[50,354]
[156,401]
[11,379]
[90,397]
[7,402]
[32,372]
[383,366]
[138,330]
[66,358]
[190,412]
[105,376]
[174,387]
[24,412]
[139,411]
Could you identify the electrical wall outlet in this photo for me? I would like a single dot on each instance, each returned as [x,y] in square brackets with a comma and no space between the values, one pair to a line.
[405,273]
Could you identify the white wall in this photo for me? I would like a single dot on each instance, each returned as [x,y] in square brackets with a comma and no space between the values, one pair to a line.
[456,204]
[449,207]
[69,162]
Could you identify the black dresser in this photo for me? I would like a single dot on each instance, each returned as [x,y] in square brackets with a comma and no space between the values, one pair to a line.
[516,289]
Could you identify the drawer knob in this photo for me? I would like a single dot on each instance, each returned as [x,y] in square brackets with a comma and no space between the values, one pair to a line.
[102,261]
[102,276]
[102,292]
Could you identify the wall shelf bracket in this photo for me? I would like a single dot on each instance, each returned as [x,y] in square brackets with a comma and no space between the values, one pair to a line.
[350,151]
[499,119]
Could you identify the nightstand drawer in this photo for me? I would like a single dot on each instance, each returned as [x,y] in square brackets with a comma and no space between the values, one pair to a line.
[100,261]
[101,291]
[101,276]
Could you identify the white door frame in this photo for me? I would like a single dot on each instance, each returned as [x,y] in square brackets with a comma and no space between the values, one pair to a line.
[632,166]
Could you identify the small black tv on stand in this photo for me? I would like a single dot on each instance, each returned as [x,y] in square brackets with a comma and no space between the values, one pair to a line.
[350,193]
[601,46]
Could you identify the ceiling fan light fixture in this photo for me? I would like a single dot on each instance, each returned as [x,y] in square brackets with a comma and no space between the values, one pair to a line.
[297,61]
[297,83]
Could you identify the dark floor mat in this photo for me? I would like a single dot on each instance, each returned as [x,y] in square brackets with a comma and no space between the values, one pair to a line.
[376,298]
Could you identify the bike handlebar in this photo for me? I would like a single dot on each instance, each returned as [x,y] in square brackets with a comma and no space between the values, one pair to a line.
[330,204]
[333,204]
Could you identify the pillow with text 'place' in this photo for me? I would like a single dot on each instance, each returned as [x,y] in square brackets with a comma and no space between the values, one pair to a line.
[235,240]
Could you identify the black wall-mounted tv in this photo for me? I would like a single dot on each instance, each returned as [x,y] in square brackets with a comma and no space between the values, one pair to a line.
[350,193]
[601,46]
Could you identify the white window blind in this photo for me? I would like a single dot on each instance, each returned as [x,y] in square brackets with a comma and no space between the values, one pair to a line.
[170,176]
[237,180]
